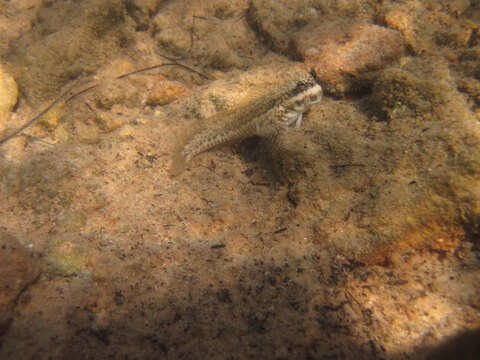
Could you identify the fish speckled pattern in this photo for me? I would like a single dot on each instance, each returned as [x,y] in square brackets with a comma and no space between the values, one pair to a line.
[264,116]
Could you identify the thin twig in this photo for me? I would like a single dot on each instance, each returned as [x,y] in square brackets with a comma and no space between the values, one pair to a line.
[82,91]
[123,76]
[146,69]
[94,85]
[39,115]
[187,67]
[341,166]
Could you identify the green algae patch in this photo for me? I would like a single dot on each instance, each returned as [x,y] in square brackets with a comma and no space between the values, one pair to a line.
[65,255]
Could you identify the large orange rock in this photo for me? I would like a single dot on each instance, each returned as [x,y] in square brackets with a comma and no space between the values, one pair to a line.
[345,55]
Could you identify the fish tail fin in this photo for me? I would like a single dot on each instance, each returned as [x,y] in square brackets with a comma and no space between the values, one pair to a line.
[179,163]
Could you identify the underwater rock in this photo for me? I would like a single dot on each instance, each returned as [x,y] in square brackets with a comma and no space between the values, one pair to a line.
[117,92]
[46,58]
[215,33]
[407,19]
[141,12]
[345,55]
[8,92]
[164,92]
[107,121]
[428,27]
[18,269]
[370,187]
[276,20]
[52,119]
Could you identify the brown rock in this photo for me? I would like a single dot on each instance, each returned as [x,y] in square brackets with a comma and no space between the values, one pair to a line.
[345,55]
[277,20]
[164,92]
[42,65]
[8,92]
[108,122]
[407,18]
[414,179]
[115,91]
[17,270]
[214,33]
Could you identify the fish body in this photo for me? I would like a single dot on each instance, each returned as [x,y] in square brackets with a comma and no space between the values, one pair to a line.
[264,116]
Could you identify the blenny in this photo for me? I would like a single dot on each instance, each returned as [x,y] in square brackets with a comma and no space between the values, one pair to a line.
[264,116]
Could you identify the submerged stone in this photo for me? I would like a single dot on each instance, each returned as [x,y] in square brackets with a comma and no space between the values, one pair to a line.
[8,92]
[345,55]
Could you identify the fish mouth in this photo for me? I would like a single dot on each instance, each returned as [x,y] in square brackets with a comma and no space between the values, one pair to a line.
[314,94]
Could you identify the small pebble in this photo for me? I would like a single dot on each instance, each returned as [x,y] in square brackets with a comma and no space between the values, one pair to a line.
[165,92]
[127,131]
[8,92]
